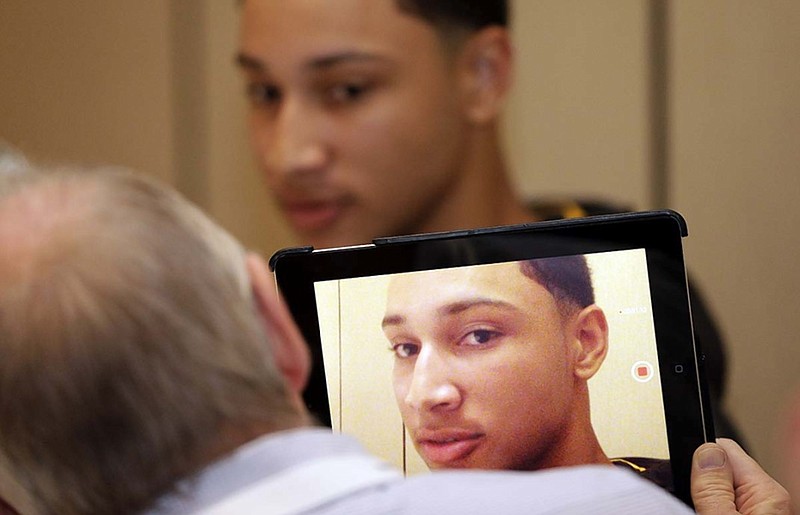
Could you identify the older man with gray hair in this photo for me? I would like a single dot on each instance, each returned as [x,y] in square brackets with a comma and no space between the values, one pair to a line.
[146,364]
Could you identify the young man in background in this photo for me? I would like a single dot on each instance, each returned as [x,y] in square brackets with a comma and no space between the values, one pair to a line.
[375,118]
[380,117]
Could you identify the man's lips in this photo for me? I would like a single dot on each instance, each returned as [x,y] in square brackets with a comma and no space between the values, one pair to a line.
[312,215]
[445,448]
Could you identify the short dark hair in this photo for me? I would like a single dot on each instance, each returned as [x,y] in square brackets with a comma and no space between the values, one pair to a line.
[464,14]
[567,278]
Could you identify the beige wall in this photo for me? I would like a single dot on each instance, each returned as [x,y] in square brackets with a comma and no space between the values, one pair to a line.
[150,84]
[577,118]
[87,82]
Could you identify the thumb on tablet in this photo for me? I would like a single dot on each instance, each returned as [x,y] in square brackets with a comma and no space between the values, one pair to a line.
[726,480]
[712,480]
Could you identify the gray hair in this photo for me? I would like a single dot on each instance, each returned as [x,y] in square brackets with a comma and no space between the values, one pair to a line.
[13,166]
[129,341]
[10,158]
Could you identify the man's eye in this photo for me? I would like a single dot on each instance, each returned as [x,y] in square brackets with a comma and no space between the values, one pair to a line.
[405,350]
[480,337]
[347,93]
[263,94]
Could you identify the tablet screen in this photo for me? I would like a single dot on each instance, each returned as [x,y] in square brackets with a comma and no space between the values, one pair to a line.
[447,308]
[464,359]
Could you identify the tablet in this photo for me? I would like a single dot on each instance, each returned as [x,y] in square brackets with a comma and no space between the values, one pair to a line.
[519,347]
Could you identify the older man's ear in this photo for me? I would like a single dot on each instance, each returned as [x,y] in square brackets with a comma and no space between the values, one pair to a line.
[290,350]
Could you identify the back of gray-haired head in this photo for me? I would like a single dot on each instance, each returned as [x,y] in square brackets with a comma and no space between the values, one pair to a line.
[127,322]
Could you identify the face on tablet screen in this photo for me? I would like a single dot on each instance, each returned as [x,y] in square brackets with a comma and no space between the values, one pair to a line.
[491,363]
[520,365]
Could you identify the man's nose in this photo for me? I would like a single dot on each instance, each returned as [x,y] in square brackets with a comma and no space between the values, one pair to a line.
[298,149]
[432,387]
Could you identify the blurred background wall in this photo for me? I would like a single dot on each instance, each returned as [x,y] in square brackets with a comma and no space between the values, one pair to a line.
[682,104]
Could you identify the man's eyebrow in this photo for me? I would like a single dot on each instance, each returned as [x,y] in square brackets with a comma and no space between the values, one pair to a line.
[392,320]
[455,308]
[249,62]
[328,61]
[464,305]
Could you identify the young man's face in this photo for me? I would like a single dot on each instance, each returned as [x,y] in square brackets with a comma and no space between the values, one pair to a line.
[483,369]
[355,116]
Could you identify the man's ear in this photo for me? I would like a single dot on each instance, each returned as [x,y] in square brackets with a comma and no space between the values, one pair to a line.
[485,73]
[590,333]
[288,346]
